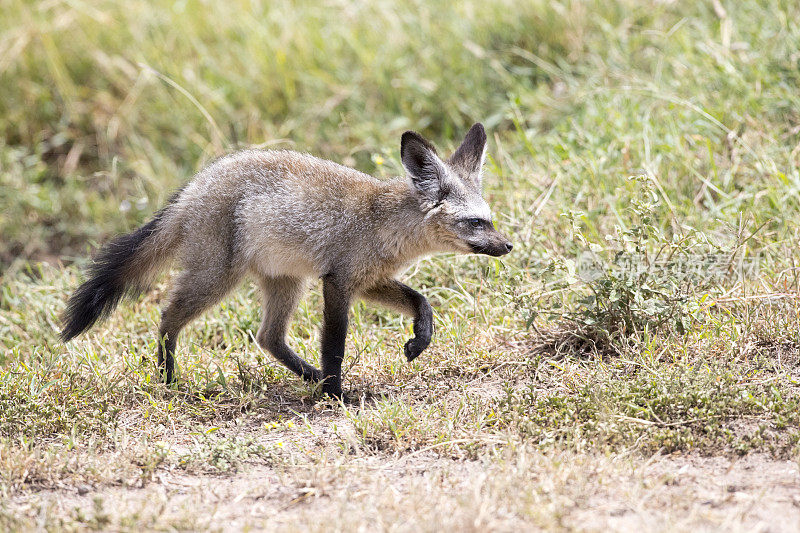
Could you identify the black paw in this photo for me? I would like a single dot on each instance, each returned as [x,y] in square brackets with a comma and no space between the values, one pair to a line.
[167,376]
[335,394]
[334,390]
[414,347]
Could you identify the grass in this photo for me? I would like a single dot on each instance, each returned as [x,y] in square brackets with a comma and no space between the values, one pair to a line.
[657,134]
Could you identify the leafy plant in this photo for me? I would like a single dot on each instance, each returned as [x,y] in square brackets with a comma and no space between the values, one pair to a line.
[638,280]
[219,454]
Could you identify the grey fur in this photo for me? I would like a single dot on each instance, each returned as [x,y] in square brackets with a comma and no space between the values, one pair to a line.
[283,217]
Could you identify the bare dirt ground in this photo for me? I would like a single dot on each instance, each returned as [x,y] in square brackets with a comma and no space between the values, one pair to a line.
[319,484]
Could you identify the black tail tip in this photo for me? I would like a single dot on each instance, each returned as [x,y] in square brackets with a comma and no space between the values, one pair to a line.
[77,320]
[92,301]
[73,327]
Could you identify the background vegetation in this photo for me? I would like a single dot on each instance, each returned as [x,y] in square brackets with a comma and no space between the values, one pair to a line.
[644,158]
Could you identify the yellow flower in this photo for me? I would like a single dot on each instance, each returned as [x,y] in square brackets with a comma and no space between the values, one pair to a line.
[378,160]
[289,424]
[279,444]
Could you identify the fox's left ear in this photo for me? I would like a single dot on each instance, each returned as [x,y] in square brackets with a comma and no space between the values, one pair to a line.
[468,158]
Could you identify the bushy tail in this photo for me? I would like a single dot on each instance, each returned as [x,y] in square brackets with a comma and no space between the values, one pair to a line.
[124,266]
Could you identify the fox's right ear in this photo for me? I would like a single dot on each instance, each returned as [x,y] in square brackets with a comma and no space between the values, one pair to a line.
[469,157]
[426,170]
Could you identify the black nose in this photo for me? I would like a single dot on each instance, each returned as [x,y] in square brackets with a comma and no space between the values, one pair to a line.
[509,246]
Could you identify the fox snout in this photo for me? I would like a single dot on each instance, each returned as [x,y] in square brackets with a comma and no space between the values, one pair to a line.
[495,246]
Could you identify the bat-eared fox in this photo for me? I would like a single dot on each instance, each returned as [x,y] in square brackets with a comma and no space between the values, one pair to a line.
[282,217]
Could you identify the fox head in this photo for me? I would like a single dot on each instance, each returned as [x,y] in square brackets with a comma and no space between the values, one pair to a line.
[450,193]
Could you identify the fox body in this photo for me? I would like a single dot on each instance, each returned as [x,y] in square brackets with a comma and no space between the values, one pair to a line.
[283,217]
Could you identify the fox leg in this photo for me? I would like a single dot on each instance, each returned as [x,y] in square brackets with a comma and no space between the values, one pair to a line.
[280,300]
[403,298]
[334,331]
[193,292]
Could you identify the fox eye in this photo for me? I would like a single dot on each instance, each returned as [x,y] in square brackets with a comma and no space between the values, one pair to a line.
[475,223]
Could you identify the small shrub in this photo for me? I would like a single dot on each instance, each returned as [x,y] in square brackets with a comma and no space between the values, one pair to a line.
[636,282]
[210,453]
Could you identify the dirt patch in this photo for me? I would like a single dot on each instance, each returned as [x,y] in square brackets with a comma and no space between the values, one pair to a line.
[752,493]
[424,491]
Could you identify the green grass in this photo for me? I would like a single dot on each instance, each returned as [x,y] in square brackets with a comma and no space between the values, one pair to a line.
[631,131]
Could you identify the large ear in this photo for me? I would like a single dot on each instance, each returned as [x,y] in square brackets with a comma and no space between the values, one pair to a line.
[468,158]
[426,170]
